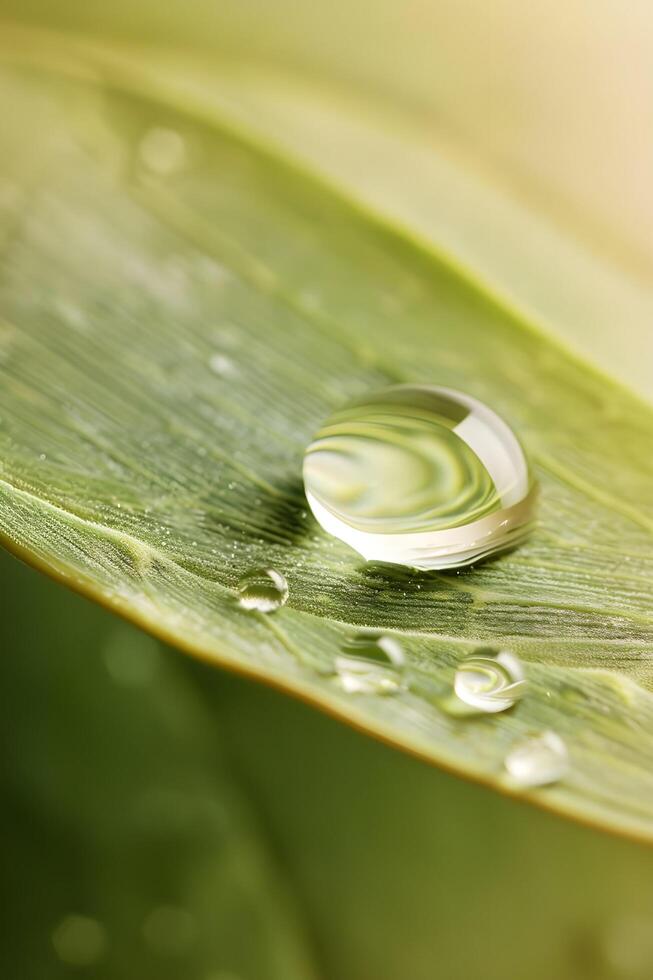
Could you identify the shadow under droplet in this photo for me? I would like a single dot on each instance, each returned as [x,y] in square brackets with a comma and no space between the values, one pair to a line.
[404,579]
[288,513]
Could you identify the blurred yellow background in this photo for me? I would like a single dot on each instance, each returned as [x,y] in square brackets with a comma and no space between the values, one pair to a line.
[516,137]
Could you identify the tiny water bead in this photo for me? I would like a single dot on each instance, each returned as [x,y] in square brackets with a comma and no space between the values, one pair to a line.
[420,476]
[539,760]
[490,681]
[370,663]
[262,590]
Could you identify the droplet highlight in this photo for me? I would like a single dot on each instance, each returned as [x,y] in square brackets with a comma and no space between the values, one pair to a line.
[490,681]
[539,760]
[370,663]
[262,590]
[420,476]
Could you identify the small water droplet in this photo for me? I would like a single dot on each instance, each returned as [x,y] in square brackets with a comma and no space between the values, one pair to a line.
[79,940]
[539,760]
[370,663]
[42,456]
[490,681]
[162,151]
[169,931]
[421,476]
[263,590]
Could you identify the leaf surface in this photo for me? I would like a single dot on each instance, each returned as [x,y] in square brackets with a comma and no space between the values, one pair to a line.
[180,309]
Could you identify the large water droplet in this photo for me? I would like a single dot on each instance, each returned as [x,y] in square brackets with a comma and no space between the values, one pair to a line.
[490,681]
[263,590]
[370,663]
[420,476]
[539,760]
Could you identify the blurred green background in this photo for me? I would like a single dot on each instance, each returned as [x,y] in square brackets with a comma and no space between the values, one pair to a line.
[212,829]
[165,821]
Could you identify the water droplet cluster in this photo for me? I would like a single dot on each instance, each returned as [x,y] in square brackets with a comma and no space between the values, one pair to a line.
[373,663]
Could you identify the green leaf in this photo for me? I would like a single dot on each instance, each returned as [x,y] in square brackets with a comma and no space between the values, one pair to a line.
[118,806]
[179,314]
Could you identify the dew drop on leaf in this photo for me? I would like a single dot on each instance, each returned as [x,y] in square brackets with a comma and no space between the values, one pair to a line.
[420,476]
[262,590]
[539,760]
[370,663]
[489,681]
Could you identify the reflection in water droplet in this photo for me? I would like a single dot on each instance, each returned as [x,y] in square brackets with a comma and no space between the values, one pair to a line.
[420,476]
[79,940]
[169,931]
[262,590]
[490,681]
[162,151]
[370,663]
[539,760]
